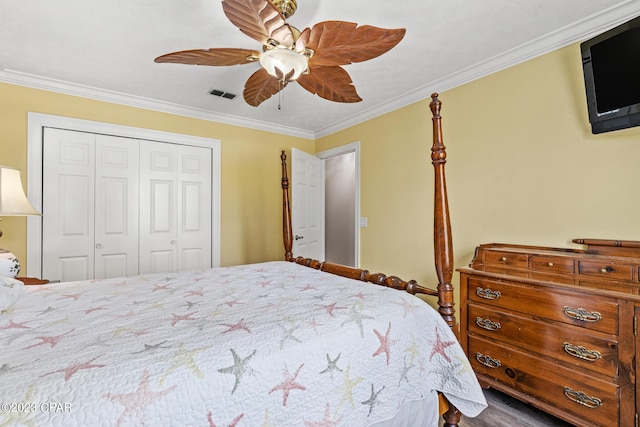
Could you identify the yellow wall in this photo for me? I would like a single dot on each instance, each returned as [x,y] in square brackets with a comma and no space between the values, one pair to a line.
[250,184]
[523,167]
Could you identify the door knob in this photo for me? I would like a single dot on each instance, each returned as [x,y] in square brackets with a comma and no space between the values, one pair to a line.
[98,246]
[173,242]
[299,237]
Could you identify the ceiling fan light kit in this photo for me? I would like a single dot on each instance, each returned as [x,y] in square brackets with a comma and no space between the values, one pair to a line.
[283,62]
[313,58]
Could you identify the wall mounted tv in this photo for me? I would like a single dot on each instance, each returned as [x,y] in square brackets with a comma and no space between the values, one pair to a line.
[611,65]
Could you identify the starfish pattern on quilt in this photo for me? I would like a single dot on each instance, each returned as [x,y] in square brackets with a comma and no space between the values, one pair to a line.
[233,423]
[181,318]
[404,371]
[289,383]
[51,340]
[413,349]
[235,327]
[136,402]
[70,370]
[347,388]
[332,365]
[373,399]
[326,420]
[356,316]
[330,308]
[440,346]
[152,348]
[385,343]
[184,357]
[239,368]
[14,325]
[287,335]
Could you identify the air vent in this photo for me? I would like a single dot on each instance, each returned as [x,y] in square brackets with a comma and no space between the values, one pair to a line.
[222,94]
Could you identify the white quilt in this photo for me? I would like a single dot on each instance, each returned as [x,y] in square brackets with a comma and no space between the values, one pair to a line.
[271,344]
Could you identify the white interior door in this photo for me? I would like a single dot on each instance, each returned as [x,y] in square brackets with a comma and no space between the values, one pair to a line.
[158,207]
[68,205]
[116,207]
[194,216]
[307,205]
[175,207]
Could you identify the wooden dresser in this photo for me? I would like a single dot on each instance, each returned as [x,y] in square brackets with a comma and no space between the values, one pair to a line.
[557,328]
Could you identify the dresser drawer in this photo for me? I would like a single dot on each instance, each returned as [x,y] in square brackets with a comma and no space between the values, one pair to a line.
[561,342]
[606,270]
[551,264]
[611,286]
[510,259]
[570,390]
[564,306]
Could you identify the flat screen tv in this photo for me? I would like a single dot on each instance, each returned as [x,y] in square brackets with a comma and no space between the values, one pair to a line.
[611,65]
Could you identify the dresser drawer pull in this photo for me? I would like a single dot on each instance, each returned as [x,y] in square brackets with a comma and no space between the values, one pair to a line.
[549,264]
[582,314]
[582,398]
[488,361]
[488,293]
[487,324]
[503,259]
[581,352]
[605,270]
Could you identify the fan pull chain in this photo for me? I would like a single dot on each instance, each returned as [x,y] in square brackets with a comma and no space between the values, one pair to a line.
[281,94]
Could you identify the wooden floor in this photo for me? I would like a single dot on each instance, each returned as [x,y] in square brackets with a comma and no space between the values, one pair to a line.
[505,411]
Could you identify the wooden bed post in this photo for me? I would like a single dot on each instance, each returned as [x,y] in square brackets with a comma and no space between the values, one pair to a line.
[442,242]
[287,232]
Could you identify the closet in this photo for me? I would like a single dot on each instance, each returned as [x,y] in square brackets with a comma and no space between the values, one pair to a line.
[117,206]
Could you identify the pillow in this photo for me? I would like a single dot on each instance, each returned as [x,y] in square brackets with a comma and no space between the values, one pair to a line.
[10,291]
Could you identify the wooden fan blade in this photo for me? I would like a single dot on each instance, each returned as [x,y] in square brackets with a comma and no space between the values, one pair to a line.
[260,87]
[259,19]
[332,83]
[219,56]
[342,43]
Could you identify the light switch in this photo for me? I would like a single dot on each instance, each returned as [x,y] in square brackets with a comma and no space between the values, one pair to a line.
[363,222]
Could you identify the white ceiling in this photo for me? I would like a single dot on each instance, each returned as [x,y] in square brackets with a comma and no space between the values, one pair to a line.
[104,49]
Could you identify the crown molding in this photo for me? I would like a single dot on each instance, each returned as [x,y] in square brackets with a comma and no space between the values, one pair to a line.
[570,34]
[67,88]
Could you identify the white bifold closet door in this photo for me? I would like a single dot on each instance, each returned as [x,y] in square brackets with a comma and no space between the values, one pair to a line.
[175,207]
[108,212]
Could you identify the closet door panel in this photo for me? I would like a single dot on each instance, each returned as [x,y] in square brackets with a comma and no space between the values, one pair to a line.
[194,218]
[68,205]
[116,223]
[158,207]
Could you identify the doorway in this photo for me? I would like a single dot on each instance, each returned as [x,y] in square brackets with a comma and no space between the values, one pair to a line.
[342,204]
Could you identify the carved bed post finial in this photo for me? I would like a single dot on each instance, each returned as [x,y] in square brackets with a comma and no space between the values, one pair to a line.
[287,231]
[442,241]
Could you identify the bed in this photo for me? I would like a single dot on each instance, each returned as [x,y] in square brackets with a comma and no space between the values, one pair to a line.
[283,343]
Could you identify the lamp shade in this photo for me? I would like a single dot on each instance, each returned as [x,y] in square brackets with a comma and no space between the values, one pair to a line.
[13,201]
[284,60]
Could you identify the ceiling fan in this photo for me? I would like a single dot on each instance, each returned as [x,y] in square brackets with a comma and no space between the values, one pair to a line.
[312,57]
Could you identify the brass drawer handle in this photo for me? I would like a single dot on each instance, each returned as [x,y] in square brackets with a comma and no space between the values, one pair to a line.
[605,270]
[487,324]
[503,259]
[487,293]
[488,361]
[581,352]
[582,398]
[549,264]
[582,314]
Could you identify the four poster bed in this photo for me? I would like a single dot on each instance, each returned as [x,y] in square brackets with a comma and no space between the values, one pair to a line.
[273,344]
